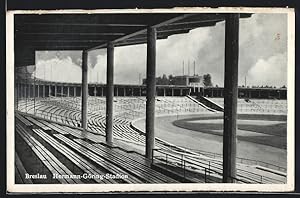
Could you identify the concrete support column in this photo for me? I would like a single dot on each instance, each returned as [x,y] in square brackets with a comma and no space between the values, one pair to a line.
[164,91]
[109,93]
[101,91]
[230,96]
[33,91]
[62,91]
[44,91]
[117,91]
[151,89]
[25,91]
[84,90]
[75,91]
[36,88]
[55,90]
[68,93]
[95,91]
[172,91]
[180,92]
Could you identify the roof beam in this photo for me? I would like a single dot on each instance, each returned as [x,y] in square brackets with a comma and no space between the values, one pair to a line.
[74,33]
[72,29]
[87,24]
[133,42]
[64,41]
[200,18]
[129,19]
[60,48]
[187,25]
[180,17]
[55,44]
[22,37]
[136,41]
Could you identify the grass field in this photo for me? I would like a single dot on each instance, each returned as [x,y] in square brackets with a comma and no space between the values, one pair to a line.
[266,146]
[262,129]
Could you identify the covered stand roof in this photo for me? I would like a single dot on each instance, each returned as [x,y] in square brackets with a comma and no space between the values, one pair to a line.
[93,31]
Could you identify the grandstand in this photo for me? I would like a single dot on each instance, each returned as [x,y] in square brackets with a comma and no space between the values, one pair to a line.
[62,115]
[72,133]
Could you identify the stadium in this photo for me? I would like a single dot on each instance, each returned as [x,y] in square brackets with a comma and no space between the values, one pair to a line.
[76,133]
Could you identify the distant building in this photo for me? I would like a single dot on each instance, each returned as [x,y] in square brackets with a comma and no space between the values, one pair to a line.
[185,80]
[195,81]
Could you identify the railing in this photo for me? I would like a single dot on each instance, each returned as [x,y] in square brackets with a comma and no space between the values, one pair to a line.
[207,169]
[188,169]
[239,159]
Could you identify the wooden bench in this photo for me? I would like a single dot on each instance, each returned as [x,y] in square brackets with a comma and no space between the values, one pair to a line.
[54,127]
[46,157]
[38,123]
[20,171]
[134,166]
[102,162]
[80,162]
[23,120]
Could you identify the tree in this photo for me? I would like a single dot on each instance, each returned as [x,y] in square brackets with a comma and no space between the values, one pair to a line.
[165,80]
[207,80]
[170,79]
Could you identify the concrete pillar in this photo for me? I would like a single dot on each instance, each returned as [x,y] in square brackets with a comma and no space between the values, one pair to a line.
[62,91]
[55,90]
[230,96]
[44,91]
[101,91]
[151,89]
[84,90]
[164,91]
[75,91]
[68,92]
[180,92]
[95,91]
[117,91]
[38,91]
[25,91]
[109,93]
[172,90]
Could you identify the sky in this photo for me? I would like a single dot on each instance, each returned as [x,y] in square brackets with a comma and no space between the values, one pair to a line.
[262,56]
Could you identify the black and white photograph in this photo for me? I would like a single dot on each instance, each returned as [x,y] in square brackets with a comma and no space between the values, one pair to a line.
[150,100]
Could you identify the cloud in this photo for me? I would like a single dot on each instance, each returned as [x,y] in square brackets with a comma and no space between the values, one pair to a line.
[59,70]
[98,72]
[262,36]
[271,71]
